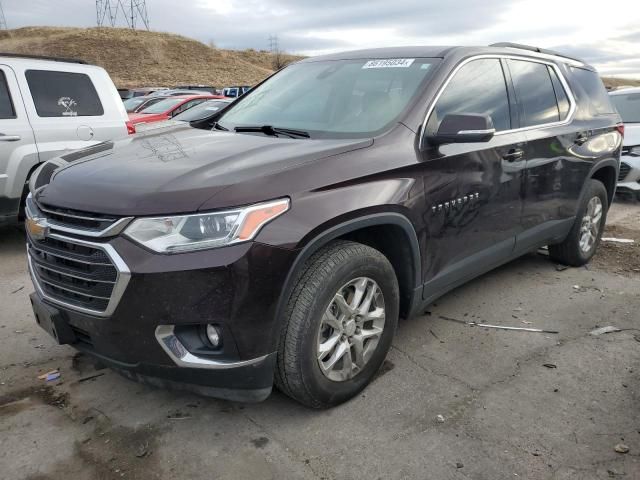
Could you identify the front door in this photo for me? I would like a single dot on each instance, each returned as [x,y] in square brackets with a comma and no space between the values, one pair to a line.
[473,190]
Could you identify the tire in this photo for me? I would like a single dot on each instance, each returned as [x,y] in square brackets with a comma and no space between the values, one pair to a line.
[332,270]
[570,251]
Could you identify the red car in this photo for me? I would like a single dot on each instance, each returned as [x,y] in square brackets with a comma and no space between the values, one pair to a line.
[167,108]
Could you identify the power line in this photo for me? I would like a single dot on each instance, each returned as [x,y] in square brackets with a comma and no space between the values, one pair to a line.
[3,20]
[134,12]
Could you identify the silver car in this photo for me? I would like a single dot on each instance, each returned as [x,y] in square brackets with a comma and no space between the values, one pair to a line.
[627,101]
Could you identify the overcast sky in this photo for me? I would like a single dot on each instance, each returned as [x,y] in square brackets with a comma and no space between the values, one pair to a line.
[606,34]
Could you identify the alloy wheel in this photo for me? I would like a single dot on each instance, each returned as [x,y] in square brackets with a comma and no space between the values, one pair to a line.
[590,227]
[350,329]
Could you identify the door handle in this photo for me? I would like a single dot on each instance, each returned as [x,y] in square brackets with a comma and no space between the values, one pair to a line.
[581,139]
[513,155]
[9,138]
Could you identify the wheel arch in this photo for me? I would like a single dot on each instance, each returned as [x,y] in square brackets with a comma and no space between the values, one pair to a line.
[379,231]
[607,173]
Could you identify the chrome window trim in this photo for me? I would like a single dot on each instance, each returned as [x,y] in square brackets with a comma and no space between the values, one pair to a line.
[172,345]
[563,81]
[122,278]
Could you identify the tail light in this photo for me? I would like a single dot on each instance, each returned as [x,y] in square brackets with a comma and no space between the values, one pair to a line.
[620,128]
[131,128]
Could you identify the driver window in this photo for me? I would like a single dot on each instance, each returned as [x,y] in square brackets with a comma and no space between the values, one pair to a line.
[478,87]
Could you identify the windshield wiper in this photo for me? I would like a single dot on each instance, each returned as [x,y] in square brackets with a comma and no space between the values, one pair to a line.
[274,131]
[217,126]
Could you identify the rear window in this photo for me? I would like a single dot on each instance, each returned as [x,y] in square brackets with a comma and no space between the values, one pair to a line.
[628,106]
[6,105]
[594,88]
[535,93]
[63,94]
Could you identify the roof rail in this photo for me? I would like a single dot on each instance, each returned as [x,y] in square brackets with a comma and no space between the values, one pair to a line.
[534,49]
[43,57]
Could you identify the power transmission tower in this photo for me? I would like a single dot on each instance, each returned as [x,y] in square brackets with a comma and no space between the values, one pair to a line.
[3,20]
[276,54]
[132,11]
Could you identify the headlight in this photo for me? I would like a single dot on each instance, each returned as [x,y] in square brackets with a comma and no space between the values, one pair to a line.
[207,230]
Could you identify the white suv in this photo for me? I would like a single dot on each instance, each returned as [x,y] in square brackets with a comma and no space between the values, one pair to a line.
[49,107]
[627,101]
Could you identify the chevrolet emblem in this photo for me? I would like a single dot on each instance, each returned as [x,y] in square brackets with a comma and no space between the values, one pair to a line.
[37,228]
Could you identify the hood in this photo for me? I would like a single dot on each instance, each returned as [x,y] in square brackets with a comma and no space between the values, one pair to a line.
[178,168]
[631,134]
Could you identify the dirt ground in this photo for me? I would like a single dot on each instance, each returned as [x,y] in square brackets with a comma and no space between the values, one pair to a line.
[453,401]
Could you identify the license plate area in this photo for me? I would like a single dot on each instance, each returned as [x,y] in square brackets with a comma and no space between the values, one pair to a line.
[52,321]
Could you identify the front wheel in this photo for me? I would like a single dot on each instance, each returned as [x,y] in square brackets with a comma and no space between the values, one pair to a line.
[583,239]
[340,321]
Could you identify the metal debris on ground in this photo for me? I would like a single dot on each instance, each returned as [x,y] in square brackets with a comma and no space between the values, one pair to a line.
[617,240]
[90,377]
[499,327]
[440,418]
[603,330]
[550,365]
[17,289]
[50,376]
[621,448]
[561,268]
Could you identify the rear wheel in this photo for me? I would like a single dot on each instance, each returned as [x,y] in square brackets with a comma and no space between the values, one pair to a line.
[341,318]
[583,239]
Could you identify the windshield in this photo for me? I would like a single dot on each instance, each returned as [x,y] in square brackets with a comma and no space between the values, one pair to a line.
[163,105]
[628,106]
[204,110]
[132,103]
[345,98]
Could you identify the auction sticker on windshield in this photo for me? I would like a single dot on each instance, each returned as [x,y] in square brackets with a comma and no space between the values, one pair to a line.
[390,63]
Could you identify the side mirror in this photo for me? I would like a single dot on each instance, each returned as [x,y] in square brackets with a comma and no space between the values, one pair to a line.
[463,128]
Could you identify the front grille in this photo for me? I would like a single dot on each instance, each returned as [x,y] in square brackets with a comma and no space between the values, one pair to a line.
[73,273]
[77,222]
[76,219]
[624,171]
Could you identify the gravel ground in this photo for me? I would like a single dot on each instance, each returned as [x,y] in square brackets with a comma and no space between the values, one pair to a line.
[453,401]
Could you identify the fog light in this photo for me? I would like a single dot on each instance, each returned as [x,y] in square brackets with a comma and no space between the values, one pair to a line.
[213,334]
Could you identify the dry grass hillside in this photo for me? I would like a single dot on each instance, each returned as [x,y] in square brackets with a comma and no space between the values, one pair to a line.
[138,58]
[620,82]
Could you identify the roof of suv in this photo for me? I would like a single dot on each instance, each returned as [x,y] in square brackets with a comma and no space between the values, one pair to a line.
[37,61]
[443,51]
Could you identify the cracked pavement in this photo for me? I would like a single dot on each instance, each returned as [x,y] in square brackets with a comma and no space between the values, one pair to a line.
[506,414]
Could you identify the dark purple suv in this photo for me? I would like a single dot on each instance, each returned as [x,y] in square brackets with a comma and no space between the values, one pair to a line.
[279,240]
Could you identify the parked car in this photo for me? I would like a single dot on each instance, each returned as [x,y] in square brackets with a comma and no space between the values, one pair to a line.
[198,88]
[48,107]
[180,92]
[136,104]
[283,237]
[235,92]
[127,93]
[167,108]
[627,102]
[202,111]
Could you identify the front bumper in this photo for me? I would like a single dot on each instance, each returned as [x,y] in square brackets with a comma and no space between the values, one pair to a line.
[629,180]
[236,288]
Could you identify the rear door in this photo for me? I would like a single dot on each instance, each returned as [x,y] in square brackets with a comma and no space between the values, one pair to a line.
[473,190]
[18,153]
[555,171]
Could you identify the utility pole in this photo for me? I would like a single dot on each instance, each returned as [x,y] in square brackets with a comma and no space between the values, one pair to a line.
[3,20]
[132,11]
